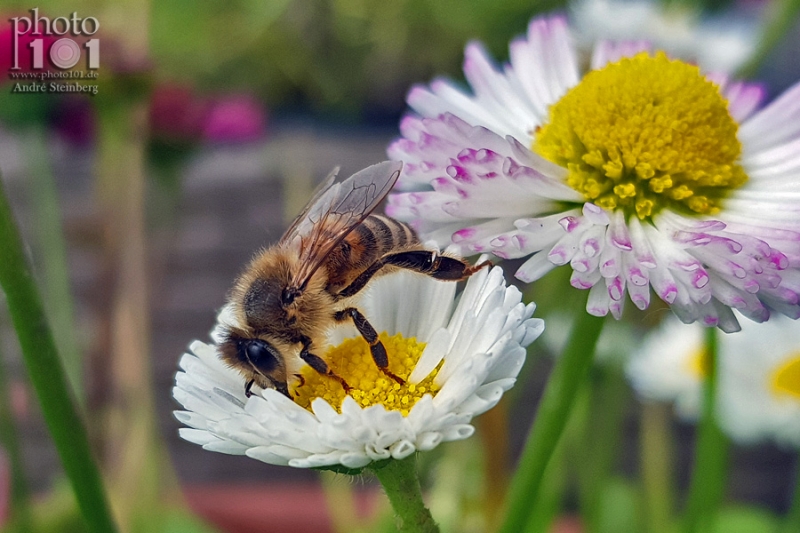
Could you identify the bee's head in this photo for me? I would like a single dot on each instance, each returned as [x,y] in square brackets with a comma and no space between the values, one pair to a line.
[257,359]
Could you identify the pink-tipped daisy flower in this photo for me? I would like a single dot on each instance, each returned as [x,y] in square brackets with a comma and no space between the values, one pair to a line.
[641,172]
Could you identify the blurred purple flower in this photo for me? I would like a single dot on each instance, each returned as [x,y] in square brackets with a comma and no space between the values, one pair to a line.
[73,120]
[235,118]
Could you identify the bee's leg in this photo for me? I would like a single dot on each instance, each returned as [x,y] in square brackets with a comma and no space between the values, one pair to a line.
[433,264]
[319,364]
[282,388]
[376,347]
[423,261]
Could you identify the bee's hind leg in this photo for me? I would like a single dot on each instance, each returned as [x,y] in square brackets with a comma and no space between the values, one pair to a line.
[428,262]
[319,364]
[376,347]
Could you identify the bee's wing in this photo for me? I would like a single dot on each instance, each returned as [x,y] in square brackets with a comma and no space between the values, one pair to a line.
[333,213]
[318,192]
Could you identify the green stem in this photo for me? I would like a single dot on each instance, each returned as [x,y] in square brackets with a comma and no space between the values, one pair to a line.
[554,487]
[707,488]
[52,251]
[655,441]
[561,466]
[791,523]
[607,402]
[19,504]
[780,18]
[554,410]
[401,483]
[47,376]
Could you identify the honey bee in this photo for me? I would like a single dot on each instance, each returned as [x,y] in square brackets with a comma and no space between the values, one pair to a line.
[293,292]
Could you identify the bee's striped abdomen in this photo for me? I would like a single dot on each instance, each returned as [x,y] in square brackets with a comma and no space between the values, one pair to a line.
[388,234]
[375,237]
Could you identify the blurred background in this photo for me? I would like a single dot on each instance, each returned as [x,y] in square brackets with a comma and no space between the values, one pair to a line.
[213,121]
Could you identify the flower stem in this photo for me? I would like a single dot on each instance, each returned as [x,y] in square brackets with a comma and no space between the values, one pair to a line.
[554,410]
[401,483]
[711,452]
[19,498]
[780,18]
[656,448]
[792,521]
[51,250]
[47,376]
[554,487]
[607,398]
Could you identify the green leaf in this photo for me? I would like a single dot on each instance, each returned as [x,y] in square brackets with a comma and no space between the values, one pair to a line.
[180,521]
[741,519]
[618,507]
[47,376]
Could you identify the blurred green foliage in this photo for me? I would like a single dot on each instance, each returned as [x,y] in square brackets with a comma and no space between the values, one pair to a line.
[340,56]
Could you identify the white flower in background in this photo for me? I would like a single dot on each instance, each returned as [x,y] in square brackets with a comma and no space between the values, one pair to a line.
[759,391]
[722,43]
[670,367]
[457,361]
[639,173]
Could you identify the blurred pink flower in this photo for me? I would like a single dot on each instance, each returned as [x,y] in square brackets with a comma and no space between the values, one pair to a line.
[24,52]
[235,118]
[177,113]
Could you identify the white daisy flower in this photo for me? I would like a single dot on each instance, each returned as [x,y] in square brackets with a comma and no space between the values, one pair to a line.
[722,43]
[759,391]
[670,367]
[457,363]
[639,173]
[758,394]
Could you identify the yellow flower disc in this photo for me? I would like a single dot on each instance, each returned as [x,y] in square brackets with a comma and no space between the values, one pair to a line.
[699,364]
[644,134]
[787,378]
[352,361]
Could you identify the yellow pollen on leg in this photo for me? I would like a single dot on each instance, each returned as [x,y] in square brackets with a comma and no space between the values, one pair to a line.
[352,361]
[643,134]
[786,379]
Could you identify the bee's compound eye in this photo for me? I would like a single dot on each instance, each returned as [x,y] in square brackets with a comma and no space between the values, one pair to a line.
[288,295]
[261,355]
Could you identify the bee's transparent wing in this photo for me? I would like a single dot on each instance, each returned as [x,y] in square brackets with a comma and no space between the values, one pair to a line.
[321,189]
[334,212]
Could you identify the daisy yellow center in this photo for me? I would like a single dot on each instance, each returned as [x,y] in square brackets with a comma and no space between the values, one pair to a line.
[699,364]
[644,134]
[786,379]
[352,361]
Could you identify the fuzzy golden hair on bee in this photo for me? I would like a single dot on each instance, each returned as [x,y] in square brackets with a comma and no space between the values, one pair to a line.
[291,294]
[259,296]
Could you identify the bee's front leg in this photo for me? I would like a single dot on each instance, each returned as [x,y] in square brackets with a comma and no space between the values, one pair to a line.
[376,347]
[319,364]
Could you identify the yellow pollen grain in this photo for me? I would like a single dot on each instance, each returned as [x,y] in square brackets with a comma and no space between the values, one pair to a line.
[644,134]
[786,379]
[352,361]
